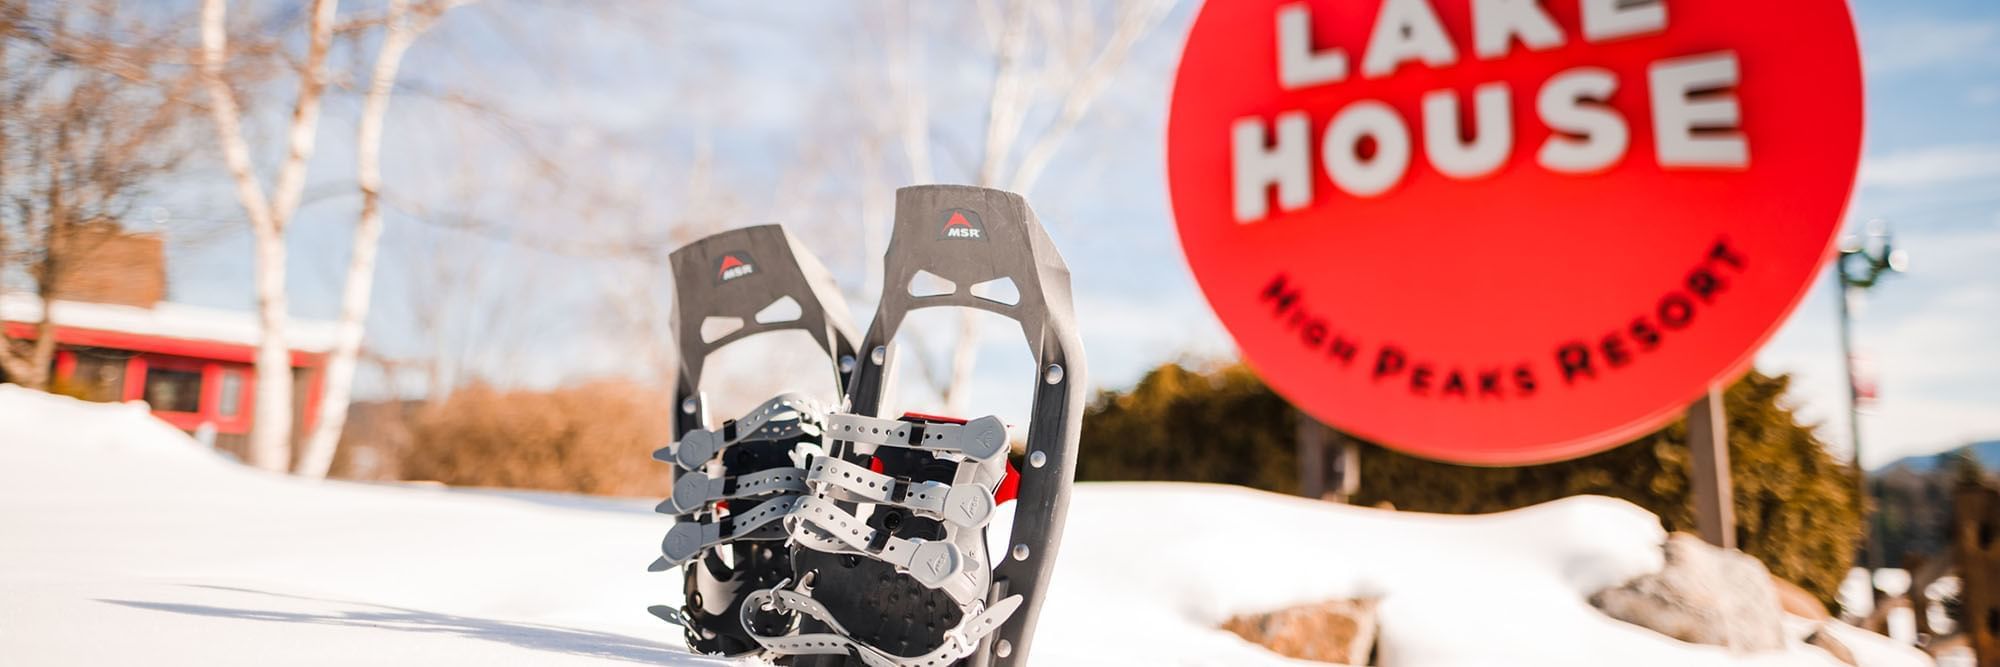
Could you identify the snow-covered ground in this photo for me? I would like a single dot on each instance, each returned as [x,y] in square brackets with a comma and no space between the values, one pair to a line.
[122,542]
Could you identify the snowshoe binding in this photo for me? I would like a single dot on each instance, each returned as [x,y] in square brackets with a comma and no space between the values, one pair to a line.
[828,535]
[890,545]
[733,483]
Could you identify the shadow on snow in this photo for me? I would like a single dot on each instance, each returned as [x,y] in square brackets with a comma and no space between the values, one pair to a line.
[583,643]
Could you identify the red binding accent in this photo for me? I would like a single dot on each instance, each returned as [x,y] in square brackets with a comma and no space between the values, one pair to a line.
[1010,485]
[918,416]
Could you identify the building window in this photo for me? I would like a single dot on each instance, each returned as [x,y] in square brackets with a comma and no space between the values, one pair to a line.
[100,375]
[173,391]
[232,395]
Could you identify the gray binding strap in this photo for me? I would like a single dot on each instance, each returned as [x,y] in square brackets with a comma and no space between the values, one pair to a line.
[695,490]
[687,539]
[935,564]
[981,438]
[961,587]
[967,504]
[765,533]
[959,642]
[783,417]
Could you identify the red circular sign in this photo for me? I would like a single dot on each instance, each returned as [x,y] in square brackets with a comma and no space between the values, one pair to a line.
[1509,231]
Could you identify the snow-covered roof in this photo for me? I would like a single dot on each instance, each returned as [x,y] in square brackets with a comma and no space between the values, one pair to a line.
[168,320]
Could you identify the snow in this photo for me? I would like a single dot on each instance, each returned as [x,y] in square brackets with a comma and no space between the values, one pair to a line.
[168,320]
[125,542]
[1169,562]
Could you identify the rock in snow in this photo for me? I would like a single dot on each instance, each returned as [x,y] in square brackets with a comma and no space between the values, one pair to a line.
[1798,602]
[1338,632]
[123,542]
[1704,595]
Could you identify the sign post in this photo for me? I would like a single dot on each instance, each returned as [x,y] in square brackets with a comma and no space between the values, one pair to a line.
[1708,441]
[1512,236]
[1329,463]
[1311,439]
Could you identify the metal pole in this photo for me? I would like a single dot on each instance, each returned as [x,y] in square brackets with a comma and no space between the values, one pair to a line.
[1853,394]
[1346,473]
[1867,546]
[1312,455]
[1714,494]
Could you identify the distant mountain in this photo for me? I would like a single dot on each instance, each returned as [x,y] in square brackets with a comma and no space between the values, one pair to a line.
[1987,452]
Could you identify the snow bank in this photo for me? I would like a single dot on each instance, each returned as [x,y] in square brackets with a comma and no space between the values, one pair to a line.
[126,542]
[1165,564]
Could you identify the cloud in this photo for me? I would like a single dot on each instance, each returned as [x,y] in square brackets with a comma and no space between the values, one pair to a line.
[1913,45]
[1942,165]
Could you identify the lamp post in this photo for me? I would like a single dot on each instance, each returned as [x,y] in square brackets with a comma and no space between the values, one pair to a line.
[1862,263]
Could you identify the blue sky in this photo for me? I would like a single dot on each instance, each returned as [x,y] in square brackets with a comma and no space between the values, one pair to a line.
[636,100]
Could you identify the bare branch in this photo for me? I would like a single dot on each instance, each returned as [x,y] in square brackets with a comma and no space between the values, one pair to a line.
[228,116]
[1134,21]
[305,116]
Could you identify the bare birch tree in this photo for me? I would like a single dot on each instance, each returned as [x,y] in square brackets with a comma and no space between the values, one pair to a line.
[1050,56]
[401,27]
[269,214]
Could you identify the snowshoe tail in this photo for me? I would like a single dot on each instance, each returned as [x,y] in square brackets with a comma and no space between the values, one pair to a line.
[908,582]
[733,483]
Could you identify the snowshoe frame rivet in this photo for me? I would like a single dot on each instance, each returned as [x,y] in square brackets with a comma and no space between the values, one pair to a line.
[1020,552]
[1037,459]
[1003,648]
[1054,375]
[846,363]
[879,355]
[688,406]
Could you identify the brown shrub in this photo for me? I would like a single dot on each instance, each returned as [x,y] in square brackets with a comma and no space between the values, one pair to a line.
[592,438]
[379,435]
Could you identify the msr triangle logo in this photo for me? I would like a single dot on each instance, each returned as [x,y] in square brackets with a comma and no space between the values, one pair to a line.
[731,266]
[962,224]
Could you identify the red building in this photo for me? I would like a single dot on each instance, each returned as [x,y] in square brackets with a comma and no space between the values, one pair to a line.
[192,365]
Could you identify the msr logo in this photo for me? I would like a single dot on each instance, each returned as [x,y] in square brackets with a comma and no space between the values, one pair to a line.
[962,224]
[731,266]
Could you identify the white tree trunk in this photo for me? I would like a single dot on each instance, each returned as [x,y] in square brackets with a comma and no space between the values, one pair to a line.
[359,291]
[1013,97]
[270,435]
[271,430]
[1004,112]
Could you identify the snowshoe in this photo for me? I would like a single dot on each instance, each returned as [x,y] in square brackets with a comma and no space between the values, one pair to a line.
[889,546]
[735,481]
